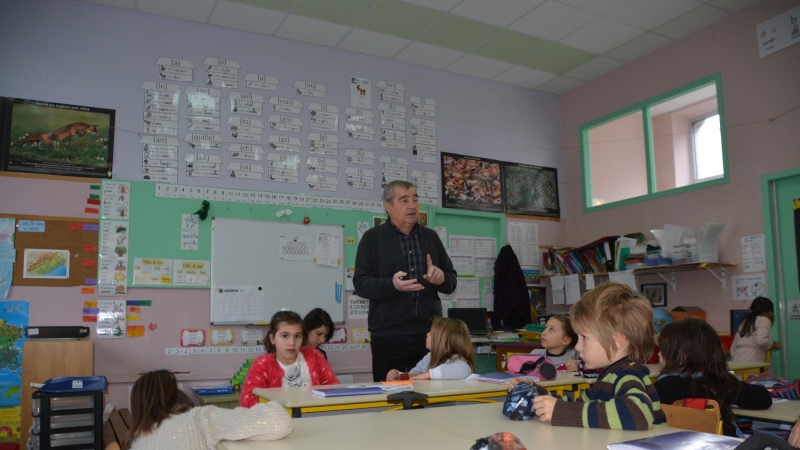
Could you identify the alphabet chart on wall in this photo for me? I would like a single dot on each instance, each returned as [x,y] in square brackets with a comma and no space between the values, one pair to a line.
[238,304]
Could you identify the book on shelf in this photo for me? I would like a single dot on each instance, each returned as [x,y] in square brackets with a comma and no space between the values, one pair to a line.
[682,440]
[213,390]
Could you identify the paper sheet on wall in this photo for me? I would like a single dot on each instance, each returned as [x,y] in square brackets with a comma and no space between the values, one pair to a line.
[528,255]
[152,271]
[111,323]
[360,93]
[488,299]
[572,288]
[748,287]
[522,233]
[557,285]
[753,256]
[463,265]
[243,303]
[442,232]
[294,248]
[485,247]
[361,228]
[357,307]
[462,246]
[793,309]
[7,230]
[190,232]
[484,267]
[589,281]
[624,277]
[191,273]
[348,278]
[467,303]
[327,250]
[252,337]
[708,247]
[468,289]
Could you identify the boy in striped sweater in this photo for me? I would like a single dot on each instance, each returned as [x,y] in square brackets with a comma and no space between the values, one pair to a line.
[615,332]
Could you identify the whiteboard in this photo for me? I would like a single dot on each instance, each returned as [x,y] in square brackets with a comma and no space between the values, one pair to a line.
[247,255]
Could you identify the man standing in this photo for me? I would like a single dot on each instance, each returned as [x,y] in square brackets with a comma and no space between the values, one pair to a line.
[400,268]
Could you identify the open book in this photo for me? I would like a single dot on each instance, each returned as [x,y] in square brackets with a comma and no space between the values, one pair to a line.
[683,440]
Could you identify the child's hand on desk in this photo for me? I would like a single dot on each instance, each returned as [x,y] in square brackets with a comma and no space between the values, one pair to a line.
[393,375]
[571,365]
[544,406]
[515,381]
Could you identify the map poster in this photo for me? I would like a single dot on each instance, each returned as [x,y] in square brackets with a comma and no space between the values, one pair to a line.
[472,183]
[531,190]
[6,244]
[46,264]
[13,319]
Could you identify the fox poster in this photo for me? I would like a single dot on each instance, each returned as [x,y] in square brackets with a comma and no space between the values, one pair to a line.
[56,139]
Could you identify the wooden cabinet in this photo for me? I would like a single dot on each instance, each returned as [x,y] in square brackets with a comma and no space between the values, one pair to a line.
[42,360]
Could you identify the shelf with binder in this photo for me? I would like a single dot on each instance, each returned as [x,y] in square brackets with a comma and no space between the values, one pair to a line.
[661,270]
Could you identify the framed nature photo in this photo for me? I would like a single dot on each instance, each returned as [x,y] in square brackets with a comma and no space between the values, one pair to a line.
[56,138]
[531,190]
[656,293]
[472,183]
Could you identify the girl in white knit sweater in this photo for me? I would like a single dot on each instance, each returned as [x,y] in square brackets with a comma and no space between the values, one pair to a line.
[752,340]
[164,417]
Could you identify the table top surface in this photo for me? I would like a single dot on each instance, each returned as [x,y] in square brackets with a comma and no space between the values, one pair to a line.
[655,369]
[302,397]
[451,427]
[783,411]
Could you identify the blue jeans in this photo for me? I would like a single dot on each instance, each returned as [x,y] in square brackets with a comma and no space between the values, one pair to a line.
[401,352]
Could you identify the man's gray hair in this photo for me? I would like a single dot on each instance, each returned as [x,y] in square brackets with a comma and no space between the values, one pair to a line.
[388,190]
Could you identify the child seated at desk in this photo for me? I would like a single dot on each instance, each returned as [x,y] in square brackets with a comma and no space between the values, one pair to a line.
[615,328]
[288,362]
[164,417]
[693,366]
[319,328]
[558,343]
[451,355]
[752,340]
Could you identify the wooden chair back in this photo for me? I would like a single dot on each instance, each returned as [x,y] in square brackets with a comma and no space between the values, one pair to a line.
[702,420]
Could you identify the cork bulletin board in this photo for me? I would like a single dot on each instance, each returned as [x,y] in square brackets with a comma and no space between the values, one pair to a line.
[78,236]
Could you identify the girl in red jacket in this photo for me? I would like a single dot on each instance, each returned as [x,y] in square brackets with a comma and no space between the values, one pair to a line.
[287,362]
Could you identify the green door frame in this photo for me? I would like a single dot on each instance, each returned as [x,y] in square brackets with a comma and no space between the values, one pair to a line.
[773,259]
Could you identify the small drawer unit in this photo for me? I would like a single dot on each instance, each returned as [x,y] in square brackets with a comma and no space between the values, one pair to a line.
[67,420]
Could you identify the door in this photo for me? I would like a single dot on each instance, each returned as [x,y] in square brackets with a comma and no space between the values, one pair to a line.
[782,232]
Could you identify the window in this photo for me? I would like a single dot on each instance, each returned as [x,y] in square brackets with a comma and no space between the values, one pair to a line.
[707,148]
[666,145]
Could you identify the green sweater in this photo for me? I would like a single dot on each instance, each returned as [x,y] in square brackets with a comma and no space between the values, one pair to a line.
[623,398]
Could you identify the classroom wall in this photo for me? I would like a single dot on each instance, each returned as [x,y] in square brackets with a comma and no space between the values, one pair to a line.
[76,53]
[754,90]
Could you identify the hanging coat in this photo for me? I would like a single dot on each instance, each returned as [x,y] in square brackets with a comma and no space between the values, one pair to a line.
[512,301]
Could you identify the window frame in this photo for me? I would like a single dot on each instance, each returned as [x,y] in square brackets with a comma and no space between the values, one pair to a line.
[644,108]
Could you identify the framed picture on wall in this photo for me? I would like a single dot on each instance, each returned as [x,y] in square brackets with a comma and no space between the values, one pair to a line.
[472,183]
[531,190]
[656,293]
[56,139]
[736,318]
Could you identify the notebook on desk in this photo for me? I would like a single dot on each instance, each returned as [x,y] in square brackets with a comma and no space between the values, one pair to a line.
[475,318]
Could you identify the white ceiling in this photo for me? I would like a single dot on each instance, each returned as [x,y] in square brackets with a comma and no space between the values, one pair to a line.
[576,40]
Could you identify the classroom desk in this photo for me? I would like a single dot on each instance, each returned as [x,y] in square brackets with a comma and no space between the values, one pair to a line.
[227,401]
[455,427]
[353,432]
[788,411]
[738,368]
[299,400]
